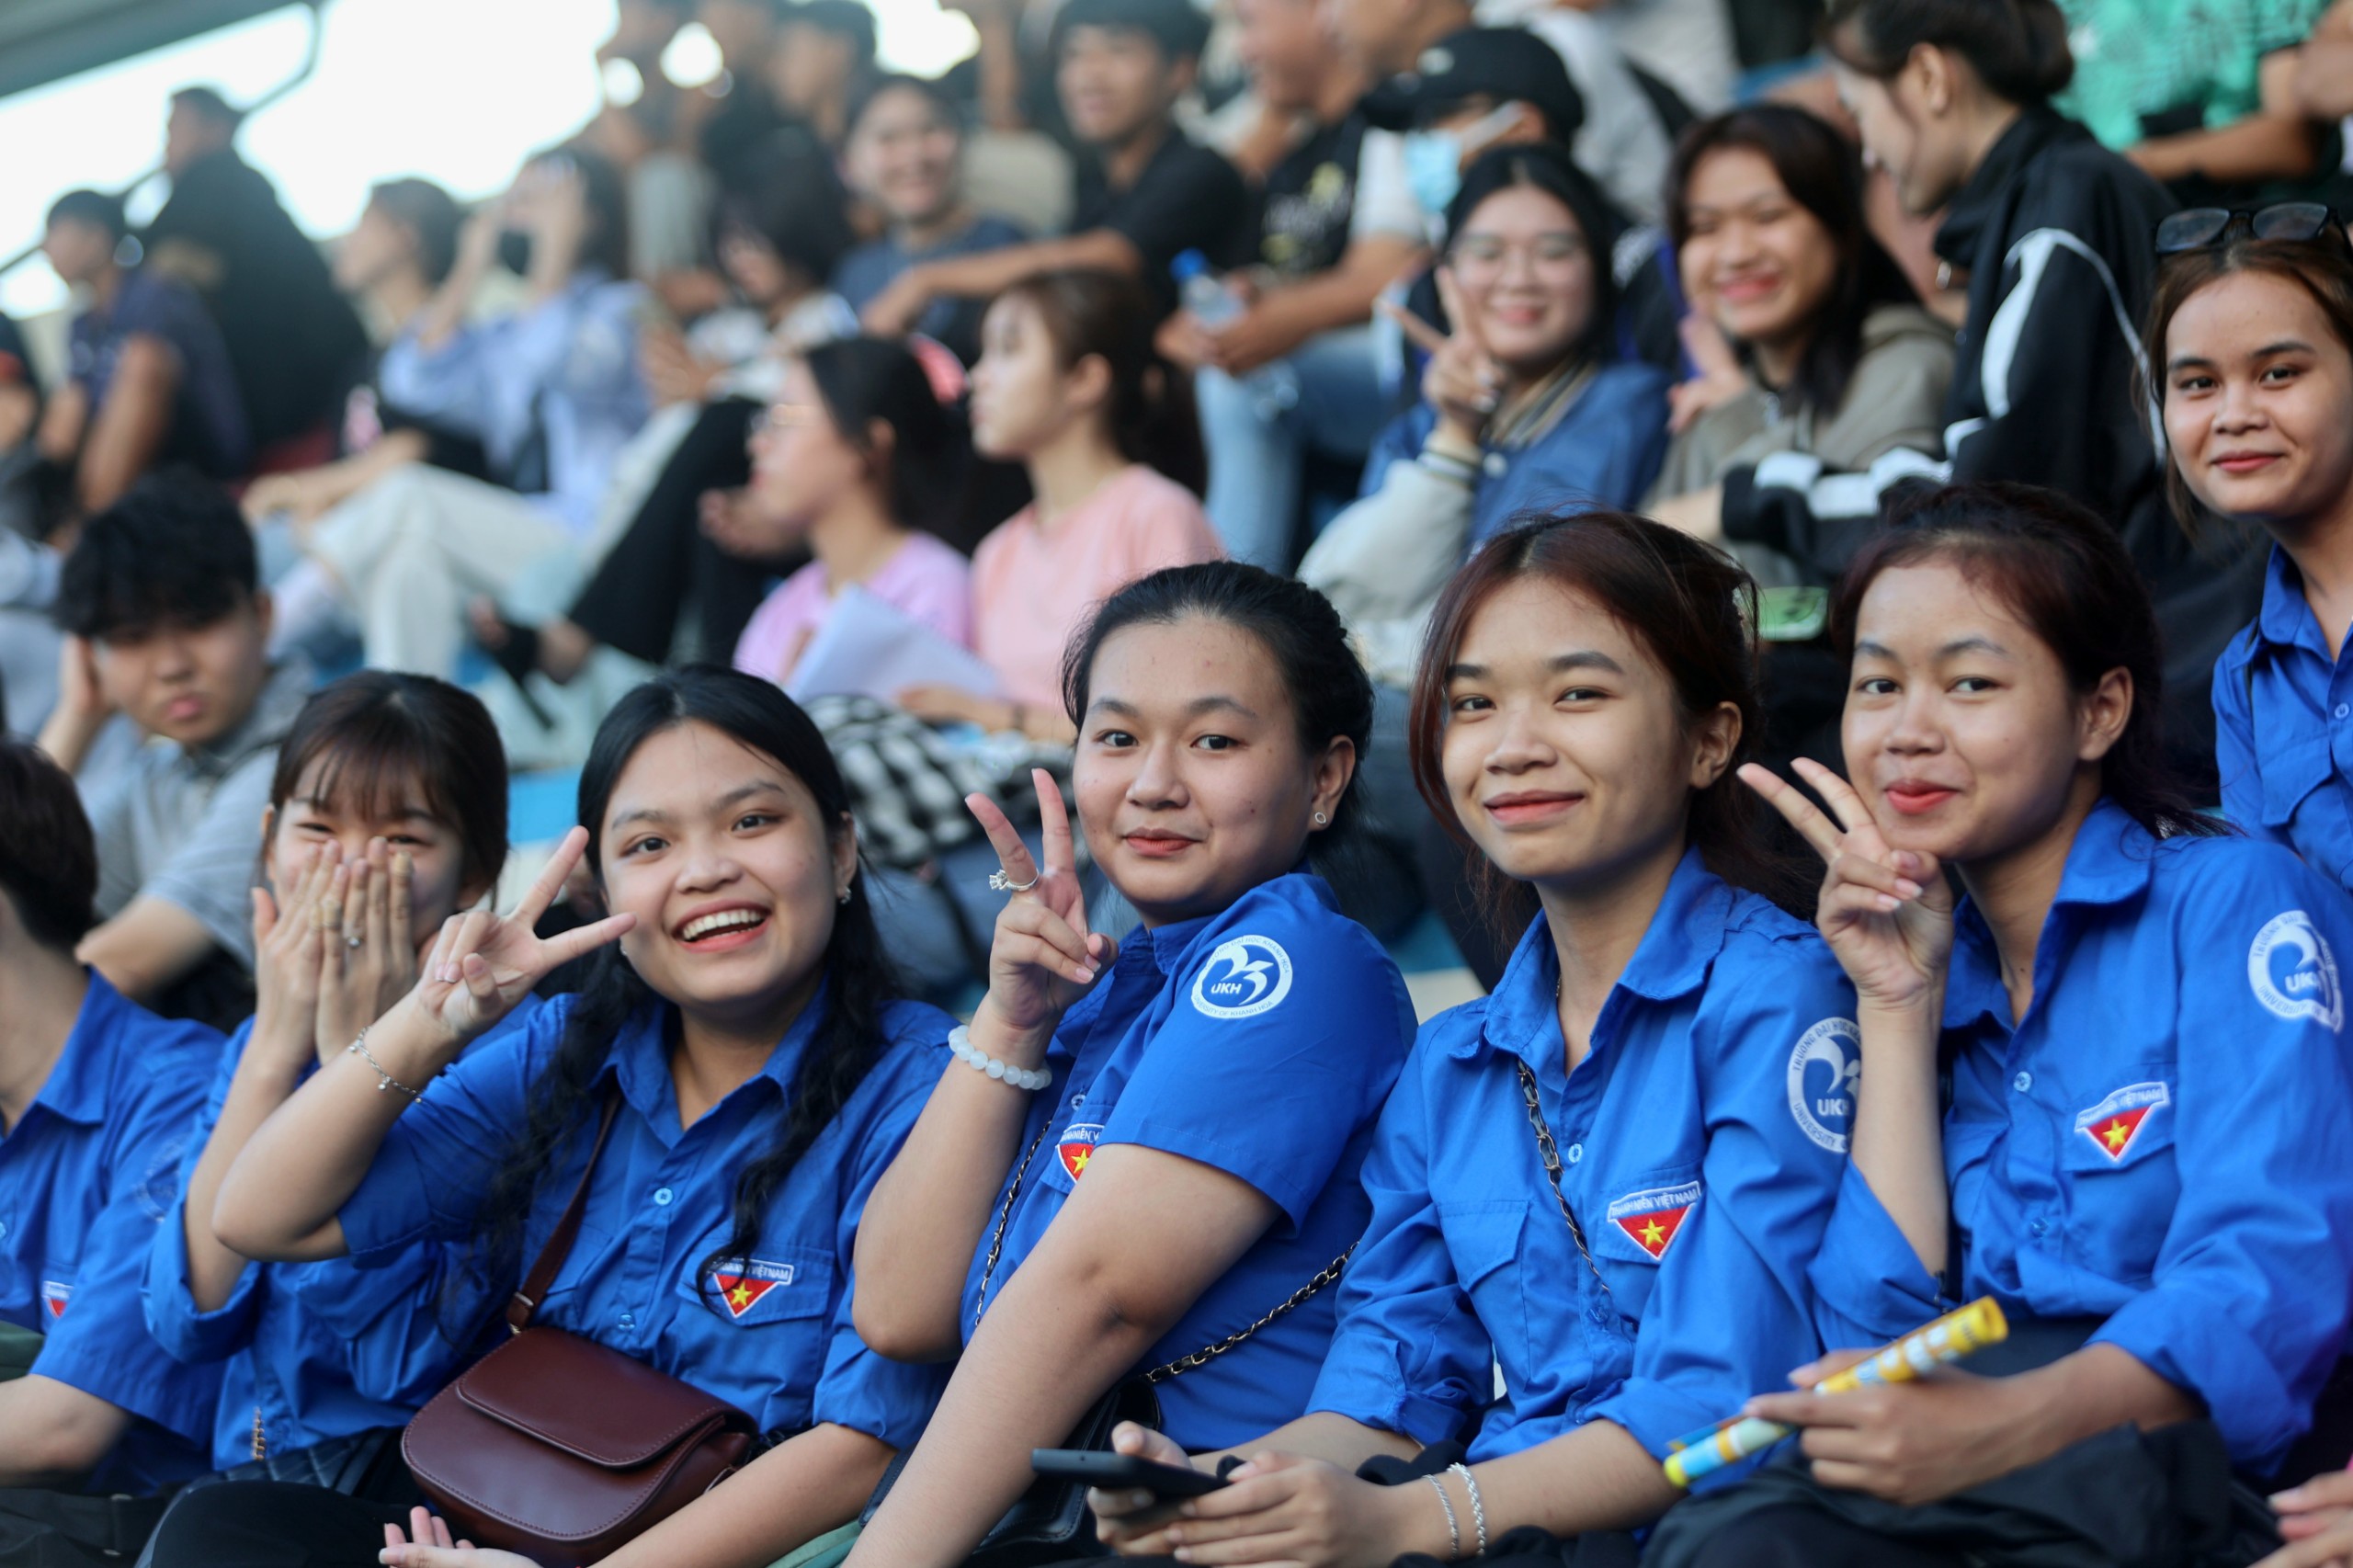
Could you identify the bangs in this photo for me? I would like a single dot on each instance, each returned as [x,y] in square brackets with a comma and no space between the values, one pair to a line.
[369,772]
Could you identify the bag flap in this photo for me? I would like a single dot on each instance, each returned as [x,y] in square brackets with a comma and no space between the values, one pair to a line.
[591,1402]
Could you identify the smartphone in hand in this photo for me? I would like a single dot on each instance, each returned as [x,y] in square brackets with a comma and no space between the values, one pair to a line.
[1119,1472]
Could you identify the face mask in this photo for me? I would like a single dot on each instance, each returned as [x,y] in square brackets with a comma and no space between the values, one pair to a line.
[1433,168]
[514,252]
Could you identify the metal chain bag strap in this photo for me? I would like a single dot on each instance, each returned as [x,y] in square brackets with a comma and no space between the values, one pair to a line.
[1550,1154]
[1050,1522]
[561,1448]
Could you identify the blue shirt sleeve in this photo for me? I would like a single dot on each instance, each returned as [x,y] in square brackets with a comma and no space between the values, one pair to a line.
[101,1345]
[1732,1310]
[1409,1353]
[1234,1090]
[173,1317]
[2248,1304]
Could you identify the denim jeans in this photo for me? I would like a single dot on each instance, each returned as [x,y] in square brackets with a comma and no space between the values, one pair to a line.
[1326,396]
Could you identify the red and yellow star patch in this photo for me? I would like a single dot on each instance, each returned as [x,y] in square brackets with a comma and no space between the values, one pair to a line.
[1652,1220]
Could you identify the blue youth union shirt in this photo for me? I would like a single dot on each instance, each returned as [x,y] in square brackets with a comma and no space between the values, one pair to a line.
[86,1178]
[2160,1141]
[1260,1041]
[2277,680]
[1701,1142]
[310,1352]
[770,1335]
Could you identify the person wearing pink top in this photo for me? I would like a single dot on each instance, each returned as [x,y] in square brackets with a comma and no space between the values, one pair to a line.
[854,460]
[1070,385]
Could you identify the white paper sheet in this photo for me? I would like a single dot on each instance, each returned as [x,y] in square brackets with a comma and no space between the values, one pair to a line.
[869,648]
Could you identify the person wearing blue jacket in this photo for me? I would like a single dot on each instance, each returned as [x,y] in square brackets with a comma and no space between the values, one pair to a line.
[745,1038]
[387,815]
[1605,1181]
[96,1094]
[1152,1176]
[2140,1021]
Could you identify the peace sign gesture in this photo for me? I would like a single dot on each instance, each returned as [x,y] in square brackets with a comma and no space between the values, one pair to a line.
[1887,914]
[482,964]
[1464,381]
[1043,958]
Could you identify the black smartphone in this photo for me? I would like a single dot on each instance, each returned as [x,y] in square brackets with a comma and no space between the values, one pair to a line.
[1115,1473]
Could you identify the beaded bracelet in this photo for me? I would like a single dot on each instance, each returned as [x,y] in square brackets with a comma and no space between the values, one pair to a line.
[960,1044]
[383,1080]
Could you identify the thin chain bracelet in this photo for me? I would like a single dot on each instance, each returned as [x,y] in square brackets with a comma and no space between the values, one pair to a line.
[1478,1509]
[1454,1531]
[384,1080]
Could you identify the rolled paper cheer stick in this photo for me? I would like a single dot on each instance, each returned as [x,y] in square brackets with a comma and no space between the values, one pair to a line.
[1947,1339]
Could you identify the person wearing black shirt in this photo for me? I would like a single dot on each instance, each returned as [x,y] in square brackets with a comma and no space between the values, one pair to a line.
[1143,193]
[288,333]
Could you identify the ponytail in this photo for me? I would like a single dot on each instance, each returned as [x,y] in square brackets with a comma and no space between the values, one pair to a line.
[1150,410]
[2018,48]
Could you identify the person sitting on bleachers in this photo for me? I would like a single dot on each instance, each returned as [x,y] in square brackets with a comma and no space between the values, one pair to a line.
[151,380]
[95,1095]
[165,621]
[824,53]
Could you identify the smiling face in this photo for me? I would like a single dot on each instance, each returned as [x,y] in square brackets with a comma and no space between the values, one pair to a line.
[328,808]
[720,853]
[2258,402]
[902,156]
[802,464]
[1906,131]
[1115,83]
[1191,784]
[1527,275]
[1566,754]
[1764,264]
[1962,731]
[1286,47]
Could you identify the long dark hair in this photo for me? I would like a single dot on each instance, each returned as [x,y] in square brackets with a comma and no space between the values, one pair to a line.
[606,246]
[373,733]
[2018,48]
[859,983]
[866,379]
[1550,169]
[1824,174]
[1690,606]
[2064,573]
[1151,414]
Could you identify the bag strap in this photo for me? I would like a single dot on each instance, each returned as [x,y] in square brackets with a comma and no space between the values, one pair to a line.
[1551,1155]
[534,1288]
[1183,1364]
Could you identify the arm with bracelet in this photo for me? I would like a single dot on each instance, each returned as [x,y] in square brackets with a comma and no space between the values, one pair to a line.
[280,1200]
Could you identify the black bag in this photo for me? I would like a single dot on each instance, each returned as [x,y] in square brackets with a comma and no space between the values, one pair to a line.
[66,1529]
[1049,1523]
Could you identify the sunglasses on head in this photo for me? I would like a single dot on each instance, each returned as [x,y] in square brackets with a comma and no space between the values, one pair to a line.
[2204,228]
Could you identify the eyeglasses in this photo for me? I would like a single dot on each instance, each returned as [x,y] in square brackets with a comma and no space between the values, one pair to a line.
[2207,228]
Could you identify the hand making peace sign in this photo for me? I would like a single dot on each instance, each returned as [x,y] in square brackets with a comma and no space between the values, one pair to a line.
[1043,958]
[1464,381]
[484,964]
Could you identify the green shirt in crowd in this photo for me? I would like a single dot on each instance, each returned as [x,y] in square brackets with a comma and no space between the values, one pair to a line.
[2135,57]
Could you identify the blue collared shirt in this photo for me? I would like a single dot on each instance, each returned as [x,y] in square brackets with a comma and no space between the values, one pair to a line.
[309,1352]
[2160,1141]
[2277,681]
[565,371]
[85,1177]
[770,1335]
[1260,1041]
[1701,1142]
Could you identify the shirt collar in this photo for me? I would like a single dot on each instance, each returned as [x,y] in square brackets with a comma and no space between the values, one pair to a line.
[1672,960]
[640,1061]
[76,1089]
[2286,620]
[265,725]
[2109,863]
[1981,200]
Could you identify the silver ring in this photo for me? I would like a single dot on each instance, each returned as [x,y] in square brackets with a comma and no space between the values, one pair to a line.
[1000,882]
[355,942]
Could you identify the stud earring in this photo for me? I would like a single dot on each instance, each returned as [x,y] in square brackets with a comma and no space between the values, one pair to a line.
[1321,820]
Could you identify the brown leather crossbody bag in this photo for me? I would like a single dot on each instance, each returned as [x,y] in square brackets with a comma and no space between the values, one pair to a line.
[562,1448]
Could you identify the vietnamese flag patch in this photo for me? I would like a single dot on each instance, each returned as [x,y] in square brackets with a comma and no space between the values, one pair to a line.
[1076,1147]
[54,1294]
[2114,1124]
[739,1291]
[1652,1220]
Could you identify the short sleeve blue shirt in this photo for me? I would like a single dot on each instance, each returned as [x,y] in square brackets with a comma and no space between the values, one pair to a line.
[770,1335]
[1701,1142]
[314,1351]
[2277,681]
[1261,1041]
[86,1178]
[2160,1141]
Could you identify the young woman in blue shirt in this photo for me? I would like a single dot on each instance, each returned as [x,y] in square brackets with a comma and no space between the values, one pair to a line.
[2137,1022]
[1606,1181]
[2253,344]
[387,815]
[1163,1143]
[761,1074]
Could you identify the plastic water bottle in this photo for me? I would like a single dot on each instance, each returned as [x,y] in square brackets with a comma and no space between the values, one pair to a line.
[1208,300]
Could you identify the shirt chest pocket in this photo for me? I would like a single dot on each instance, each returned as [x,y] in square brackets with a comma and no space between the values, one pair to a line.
[1639,1228]
[2303,798]
[780,1283]
[1485,1239]
[2123,1186]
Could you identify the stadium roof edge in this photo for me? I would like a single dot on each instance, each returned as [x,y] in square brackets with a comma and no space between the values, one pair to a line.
[43,41]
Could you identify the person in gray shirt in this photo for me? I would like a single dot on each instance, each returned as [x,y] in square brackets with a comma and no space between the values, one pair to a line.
[165,622]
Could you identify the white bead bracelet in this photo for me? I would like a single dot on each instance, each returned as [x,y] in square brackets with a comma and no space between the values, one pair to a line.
[959,1043]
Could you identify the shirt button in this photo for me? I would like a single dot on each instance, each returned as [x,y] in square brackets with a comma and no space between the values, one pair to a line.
[1576,1153]
[2342,710]
[662,1195]
[1076,1101]
[2023,1082]
[629,1320]
[4,1227]
[2039,1227]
